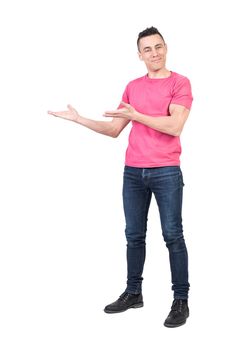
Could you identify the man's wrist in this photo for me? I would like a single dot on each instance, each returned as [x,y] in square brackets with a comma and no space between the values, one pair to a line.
[78,119]
[136,116]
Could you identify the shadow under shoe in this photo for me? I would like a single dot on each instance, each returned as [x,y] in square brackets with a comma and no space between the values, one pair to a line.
[178,314]
[124,302]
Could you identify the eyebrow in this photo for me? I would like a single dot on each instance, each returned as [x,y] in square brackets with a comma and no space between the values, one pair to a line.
[149,47]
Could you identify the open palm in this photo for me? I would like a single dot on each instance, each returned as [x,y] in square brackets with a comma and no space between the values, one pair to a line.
[69,114]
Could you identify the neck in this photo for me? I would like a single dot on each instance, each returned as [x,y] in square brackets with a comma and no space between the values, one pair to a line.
[160,73]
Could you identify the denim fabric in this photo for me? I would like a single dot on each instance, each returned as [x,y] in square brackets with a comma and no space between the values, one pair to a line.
[166,183]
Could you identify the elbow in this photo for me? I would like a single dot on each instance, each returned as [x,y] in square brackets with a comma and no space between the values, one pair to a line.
[110,131]
[114,136]
[114,133]
[176,133]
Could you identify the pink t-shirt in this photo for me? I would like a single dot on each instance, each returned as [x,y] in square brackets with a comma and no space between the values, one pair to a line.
[147,147]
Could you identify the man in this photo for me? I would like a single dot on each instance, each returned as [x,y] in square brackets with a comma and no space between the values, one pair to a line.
[158,106]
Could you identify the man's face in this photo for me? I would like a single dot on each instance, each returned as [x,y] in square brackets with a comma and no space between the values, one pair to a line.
[153,50]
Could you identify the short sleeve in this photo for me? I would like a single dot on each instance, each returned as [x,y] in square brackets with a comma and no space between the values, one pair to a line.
[182,93]
[125,97]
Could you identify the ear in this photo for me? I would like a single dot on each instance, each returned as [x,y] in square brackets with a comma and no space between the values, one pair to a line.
[140,55]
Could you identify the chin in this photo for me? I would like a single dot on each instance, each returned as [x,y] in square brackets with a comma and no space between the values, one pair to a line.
[155,69]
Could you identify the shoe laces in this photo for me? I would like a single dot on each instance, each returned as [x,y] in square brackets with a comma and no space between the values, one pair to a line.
[177,305]
[124,296]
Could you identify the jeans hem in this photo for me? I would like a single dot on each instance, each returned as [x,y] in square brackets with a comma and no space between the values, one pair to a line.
[133,292]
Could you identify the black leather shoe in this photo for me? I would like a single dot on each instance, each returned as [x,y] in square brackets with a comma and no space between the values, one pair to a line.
[125,302]
[178,314]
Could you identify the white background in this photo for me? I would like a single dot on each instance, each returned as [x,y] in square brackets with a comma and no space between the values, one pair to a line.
[62,249]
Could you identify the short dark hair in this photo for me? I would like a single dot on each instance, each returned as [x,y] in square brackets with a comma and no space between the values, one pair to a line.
[148,32]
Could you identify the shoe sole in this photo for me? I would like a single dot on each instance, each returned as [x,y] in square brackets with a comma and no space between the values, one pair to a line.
[169,325]
[135,306]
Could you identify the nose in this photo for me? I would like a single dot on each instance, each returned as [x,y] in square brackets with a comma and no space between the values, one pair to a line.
[155,52]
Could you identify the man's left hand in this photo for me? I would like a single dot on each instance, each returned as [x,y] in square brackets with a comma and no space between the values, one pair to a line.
[128,112]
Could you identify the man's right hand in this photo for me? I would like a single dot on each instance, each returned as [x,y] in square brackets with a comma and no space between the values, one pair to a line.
[109,128]
[69,114]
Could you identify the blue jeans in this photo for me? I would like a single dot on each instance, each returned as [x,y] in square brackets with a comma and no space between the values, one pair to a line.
[166,183]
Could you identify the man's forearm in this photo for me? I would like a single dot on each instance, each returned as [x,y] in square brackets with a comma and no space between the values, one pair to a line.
[101,127]
[164,124]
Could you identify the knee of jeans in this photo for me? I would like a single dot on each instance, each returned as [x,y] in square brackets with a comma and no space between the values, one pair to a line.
[135,239]
[176,244]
